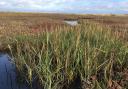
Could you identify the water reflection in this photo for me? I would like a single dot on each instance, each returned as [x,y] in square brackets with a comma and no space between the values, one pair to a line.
[7,74]
[71,22]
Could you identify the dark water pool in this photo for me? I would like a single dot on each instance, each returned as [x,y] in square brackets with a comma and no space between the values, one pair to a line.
[8,74]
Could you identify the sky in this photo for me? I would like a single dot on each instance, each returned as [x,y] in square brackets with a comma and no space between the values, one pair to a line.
[66,6]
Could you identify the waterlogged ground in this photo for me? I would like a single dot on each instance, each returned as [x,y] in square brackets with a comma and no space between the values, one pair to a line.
[8,74]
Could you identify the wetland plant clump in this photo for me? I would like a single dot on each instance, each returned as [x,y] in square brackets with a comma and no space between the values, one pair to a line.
[88,56]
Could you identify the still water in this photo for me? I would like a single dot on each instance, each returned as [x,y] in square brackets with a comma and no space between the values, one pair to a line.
[8,74]
[71,22]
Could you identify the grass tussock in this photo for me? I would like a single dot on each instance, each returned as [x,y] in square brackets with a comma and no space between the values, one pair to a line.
[88,52]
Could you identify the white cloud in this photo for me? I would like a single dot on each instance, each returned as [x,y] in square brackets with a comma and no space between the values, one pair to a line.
[3,3]
[63,5]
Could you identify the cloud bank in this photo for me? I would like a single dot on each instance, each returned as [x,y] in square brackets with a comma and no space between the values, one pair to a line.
[66,6]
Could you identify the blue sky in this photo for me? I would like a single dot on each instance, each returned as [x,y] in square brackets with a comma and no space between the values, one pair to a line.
[66,6]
